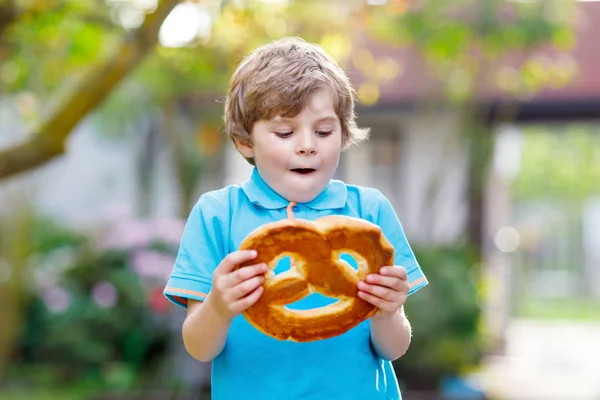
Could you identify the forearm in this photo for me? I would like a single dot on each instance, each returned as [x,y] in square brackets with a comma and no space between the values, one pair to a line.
[391,334]
[204,332]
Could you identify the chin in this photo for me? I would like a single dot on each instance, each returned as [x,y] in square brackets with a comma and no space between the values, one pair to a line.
[304,195]
[301,189]
[307,190]
[304,198]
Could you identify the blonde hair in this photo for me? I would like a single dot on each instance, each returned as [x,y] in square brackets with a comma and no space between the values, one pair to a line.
[277,79]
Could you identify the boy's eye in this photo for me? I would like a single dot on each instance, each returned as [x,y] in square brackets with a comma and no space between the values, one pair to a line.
[324,133]
[283,134]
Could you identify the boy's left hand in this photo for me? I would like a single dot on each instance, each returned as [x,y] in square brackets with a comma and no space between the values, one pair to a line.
[387,290]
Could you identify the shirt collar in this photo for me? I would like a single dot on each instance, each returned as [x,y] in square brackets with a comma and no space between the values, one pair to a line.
[260,193]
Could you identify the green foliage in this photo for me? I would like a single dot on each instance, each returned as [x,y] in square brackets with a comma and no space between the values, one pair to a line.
[559,309]
[68,35]
[203,67]
[445,317]
[464,42]
[89,315]
[454,37]
[65,393]
[561,162]
[48,236]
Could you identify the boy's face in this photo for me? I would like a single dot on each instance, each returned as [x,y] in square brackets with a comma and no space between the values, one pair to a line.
[298,156]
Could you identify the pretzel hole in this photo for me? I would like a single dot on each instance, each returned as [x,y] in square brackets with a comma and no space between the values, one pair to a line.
[349,259]
[282,264]
[313,300]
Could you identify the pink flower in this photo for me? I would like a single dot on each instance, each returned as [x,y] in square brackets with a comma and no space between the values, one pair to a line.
[105,295]
[57,299]
[166,230]
[152,264]
[157,301]
[128,234]
[125,235]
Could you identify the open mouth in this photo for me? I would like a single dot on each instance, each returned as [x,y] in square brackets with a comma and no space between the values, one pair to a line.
[304,171]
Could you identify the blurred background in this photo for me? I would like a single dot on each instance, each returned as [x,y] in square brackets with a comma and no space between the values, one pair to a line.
[485,118]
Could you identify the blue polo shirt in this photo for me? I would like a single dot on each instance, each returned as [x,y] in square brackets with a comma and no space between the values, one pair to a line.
[252,364]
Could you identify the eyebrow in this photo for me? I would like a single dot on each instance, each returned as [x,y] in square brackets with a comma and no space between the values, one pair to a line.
[329,118]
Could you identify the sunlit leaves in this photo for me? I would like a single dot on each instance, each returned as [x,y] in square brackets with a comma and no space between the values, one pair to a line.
[337,44]
[458,39]
[537,72]
[465,41]
[375,73]
[564,164]
[53,40]
[203,65]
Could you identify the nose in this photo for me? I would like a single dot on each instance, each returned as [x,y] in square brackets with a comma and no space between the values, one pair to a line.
[305,145]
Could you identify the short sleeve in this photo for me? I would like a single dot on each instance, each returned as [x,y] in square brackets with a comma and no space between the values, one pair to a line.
[384,215]
[200,252]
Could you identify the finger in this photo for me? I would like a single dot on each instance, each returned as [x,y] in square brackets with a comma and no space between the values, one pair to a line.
[244,288]
[377,301]
[397,271]
[391,282]
[379,291]
[248,301]
[233,259]
[245,273]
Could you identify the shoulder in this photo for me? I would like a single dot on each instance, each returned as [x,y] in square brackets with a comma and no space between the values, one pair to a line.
[363,192]
[367,197]
[220,201]
[370,203]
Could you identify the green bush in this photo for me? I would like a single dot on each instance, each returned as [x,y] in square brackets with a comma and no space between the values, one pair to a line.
[445,316]
[91,317]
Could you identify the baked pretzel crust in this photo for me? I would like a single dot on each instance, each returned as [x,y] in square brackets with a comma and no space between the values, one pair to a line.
[315,247]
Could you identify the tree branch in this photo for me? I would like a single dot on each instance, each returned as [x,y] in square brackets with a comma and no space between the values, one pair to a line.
[48,140]
[8,16]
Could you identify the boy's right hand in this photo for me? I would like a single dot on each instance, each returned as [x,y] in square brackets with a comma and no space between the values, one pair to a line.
[233,291]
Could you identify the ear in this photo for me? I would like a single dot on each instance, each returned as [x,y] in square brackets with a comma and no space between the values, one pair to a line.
[244,147]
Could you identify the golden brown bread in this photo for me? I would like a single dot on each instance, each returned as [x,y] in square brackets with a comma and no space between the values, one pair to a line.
[315,247]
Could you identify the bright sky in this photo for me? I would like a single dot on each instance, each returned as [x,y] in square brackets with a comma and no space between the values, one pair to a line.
[185,23]
[189,21]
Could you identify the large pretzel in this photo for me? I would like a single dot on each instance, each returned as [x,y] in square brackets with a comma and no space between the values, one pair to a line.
[315,248]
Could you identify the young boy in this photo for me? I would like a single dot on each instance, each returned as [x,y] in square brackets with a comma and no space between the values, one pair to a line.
[290,113]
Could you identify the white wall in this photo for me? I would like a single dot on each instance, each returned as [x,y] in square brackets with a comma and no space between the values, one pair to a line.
[427,183]
[591,237]
[93,180]
[235,168]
